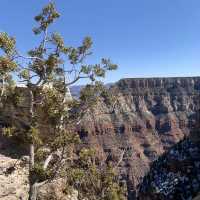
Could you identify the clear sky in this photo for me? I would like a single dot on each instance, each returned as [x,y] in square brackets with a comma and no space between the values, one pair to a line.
[144,37]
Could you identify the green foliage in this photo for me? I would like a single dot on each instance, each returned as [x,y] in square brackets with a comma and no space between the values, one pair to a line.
[86,69]
[15,97]
[58,41]
[52,105]
[48,72]
[33,135]
[91,93]
[48,15]
[93,181]
[6,65]
[9,131]
[63,139]
[98,71]
[87,44]
[76,176]
[108,64]
[41,155]
[7,44]
[24,74]
[86,156]
[39,173]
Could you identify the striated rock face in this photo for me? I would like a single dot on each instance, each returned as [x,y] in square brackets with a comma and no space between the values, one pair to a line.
[150,116]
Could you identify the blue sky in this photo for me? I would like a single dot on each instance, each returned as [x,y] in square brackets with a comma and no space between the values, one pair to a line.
[146,38]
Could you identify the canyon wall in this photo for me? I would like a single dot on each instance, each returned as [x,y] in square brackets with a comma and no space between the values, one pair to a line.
[175,174]
[150,116]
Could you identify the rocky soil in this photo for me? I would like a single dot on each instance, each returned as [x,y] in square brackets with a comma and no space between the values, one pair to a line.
[13,179]
[14,182]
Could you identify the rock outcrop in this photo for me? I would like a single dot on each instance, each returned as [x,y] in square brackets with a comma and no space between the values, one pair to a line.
[55,190]
[13,179]
[14,182]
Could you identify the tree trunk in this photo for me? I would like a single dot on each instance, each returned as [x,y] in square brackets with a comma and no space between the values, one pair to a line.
[32,183]
[3,87]
[32,156]
[33,191]
[2,91]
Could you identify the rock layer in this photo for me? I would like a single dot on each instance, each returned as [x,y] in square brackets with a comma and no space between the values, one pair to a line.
[150,116]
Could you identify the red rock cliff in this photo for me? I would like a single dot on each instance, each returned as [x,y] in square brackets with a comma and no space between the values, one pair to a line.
[150,116]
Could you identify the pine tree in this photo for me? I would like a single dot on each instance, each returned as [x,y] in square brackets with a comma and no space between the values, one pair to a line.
[48,71]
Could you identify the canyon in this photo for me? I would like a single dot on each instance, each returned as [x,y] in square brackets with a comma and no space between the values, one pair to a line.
[150,117]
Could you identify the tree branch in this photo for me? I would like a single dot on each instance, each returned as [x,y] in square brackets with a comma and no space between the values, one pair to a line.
[30,57]
[76,79]
[47,161]
[3,87]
